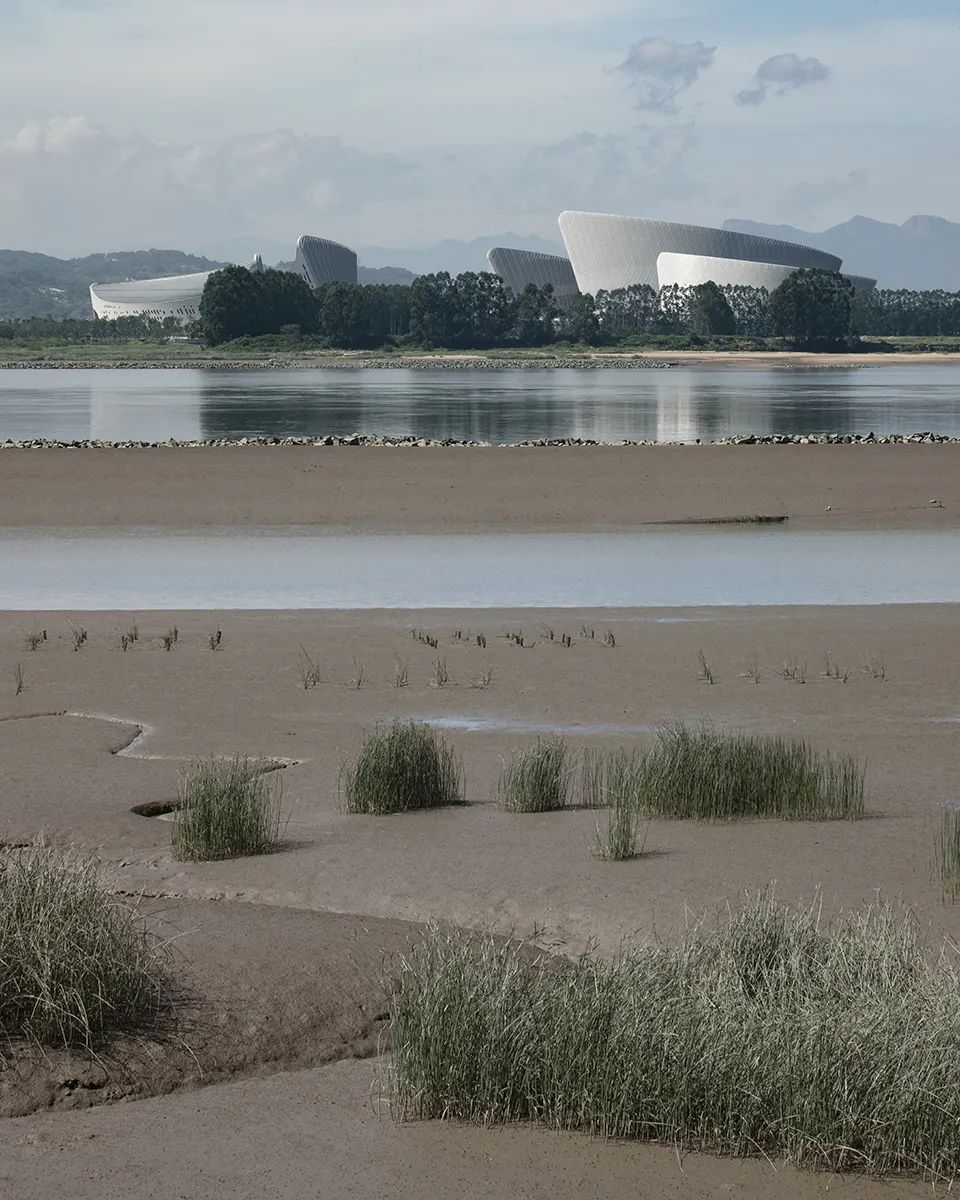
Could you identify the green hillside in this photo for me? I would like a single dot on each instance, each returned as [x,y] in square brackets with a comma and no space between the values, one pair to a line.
[37,285]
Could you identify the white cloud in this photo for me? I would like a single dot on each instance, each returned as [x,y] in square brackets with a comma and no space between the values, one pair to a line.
[660,69]
[781,74]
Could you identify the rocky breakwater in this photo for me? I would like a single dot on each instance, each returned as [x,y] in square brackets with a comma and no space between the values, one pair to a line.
[363,439]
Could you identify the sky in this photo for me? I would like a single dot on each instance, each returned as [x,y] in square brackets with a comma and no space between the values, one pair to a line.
[190,123]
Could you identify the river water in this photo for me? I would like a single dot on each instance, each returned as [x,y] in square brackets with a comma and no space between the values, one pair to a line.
[680,404]
[141,569]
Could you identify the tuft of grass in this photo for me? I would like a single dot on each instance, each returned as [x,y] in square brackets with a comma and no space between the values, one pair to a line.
[34,638]
[124,642]
[76,964]
[133,633]
[79,635]
[874,667]
[772,1031]
[705,672]
[403,766]
[753,672]
[537,777]
[214,639]
[706,775]
[619,840]
[169,639]
[483,679]
[482,641]
[359,677]
[228,808]
[606,776]
[793,669]
[947,850]
[18,678]
[440,676]
[308,671]
[833,670]
[401,672]
[609,639]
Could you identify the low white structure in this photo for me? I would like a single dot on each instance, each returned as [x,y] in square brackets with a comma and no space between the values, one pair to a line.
[176,296]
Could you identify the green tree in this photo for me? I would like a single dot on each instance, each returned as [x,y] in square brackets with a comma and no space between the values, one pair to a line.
[708,311]
[812,308]
[230,306]
[534,316]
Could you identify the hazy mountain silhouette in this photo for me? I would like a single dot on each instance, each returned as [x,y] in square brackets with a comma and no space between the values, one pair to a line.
[922,253]
[452,254]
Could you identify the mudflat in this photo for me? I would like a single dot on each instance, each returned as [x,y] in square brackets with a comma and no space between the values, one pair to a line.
[503,488]
[281,957]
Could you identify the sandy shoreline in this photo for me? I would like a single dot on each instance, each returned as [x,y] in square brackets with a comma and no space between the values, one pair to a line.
[435,489]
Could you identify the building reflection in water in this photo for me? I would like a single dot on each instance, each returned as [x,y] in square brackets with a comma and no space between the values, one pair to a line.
[681,404]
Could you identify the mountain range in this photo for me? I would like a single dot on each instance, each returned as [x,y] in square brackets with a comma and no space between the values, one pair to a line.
[923,253]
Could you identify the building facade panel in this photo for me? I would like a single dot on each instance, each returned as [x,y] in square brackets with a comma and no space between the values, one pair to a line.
[320,261]
[609,251]
[517,268]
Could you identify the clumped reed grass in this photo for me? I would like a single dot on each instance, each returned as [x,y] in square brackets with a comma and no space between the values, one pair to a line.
[607,775]
[35,638]
[619,840]
[76,964]
[537,778]
[753,672]
[78,634]
[705,672]
[359,677]
[403,766]
[874,667]
[214,639]
[439,676]
[774,1032]
[708,775]
[793,669]
[947,849]
[228,808]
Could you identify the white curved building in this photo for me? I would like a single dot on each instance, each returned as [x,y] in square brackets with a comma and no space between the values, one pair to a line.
[321,261]
[175,296]
[518,268]
[609,252]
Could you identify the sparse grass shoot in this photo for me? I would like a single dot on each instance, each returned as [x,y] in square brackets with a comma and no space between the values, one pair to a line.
[18,678]
[706,775]
[34,639]
[78,634]
[947,849]
[833,670]
[440,676]
[308,671]
[874,667]
[359,677]
[704,671]
[403,766]
[76,964]
[228,808]
[773,1032]
[483,679]
[215,639]
[537,777]
[753,672]
[401,672]
[793,670]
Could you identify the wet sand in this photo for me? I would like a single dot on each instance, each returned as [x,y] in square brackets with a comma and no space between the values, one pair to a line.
[503,488]
[280,982]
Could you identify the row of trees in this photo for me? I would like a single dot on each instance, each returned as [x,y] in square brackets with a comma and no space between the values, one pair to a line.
[476,311]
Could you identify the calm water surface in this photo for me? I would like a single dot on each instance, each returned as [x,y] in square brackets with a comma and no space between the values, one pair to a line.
[141,569]
[680,404]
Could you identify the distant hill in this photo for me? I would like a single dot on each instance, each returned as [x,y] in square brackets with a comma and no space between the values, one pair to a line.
[454,255]
[37,285]
[387,275]
[922,253]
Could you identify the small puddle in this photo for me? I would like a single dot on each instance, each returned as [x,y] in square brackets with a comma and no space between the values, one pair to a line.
[500,724]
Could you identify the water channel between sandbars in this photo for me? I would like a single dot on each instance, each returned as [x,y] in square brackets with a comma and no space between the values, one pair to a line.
[299,568]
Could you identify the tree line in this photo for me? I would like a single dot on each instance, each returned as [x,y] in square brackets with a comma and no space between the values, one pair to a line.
[476,311]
